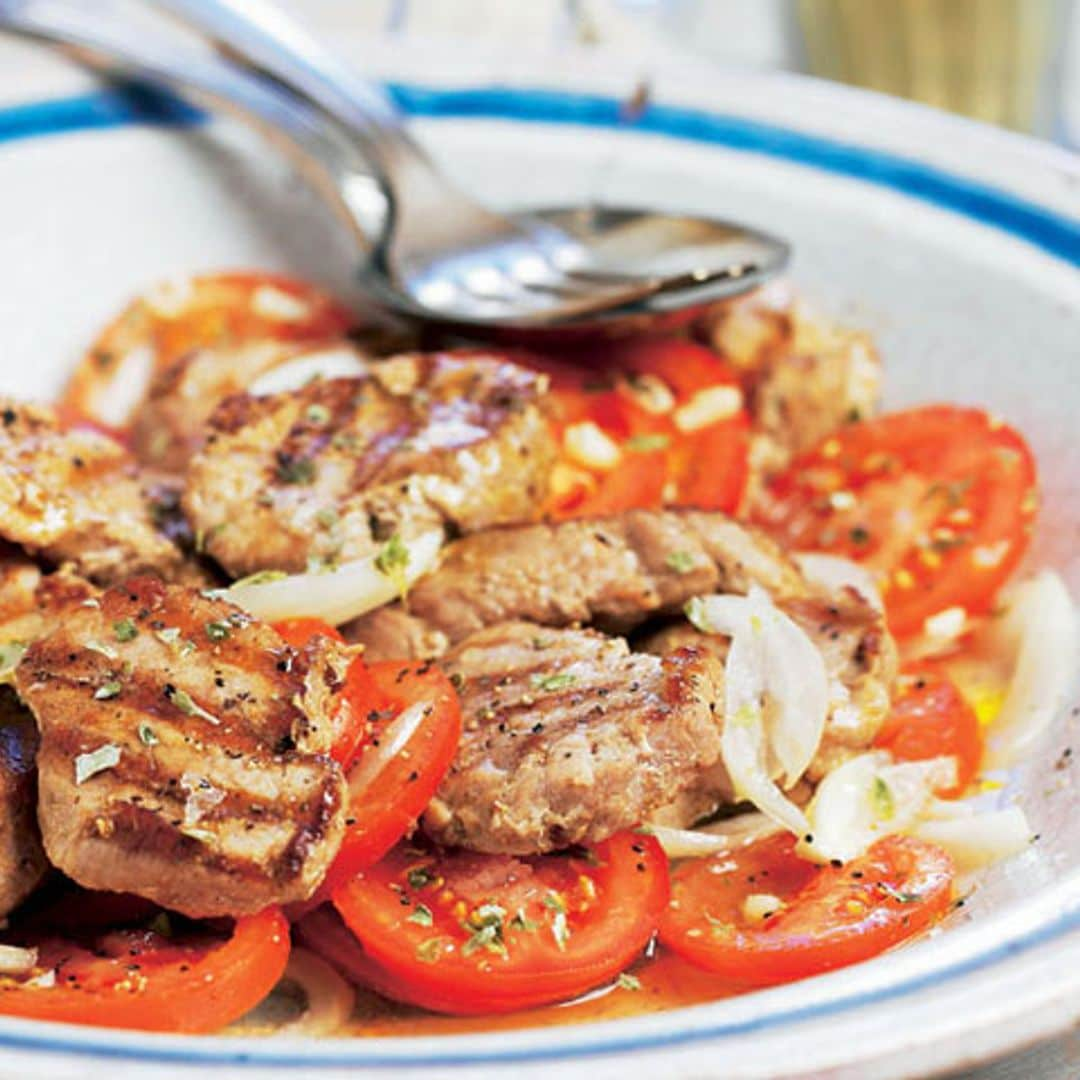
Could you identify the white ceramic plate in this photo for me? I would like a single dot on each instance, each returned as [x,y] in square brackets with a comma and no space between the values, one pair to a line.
[957,246]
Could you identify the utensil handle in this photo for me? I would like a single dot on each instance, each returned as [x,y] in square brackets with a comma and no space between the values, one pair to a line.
[263,35]
[327,160]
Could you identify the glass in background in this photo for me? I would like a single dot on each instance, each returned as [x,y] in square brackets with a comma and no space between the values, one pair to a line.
[993,60]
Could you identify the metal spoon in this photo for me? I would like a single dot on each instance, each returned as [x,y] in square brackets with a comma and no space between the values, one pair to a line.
[437,255]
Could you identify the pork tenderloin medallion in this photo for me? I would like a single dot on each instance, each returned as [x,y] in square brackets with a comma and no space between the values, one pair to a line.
[614,572]
[184,751]
[570,737]
[72,495]
[330,472]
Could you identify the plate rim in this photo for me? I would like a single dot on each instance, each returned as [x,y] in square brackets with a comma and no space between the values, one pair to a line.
[1036,225]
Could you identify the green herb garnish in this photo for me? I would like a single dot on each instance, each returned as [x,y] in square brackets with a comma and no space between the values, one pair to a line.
[187,705]
[294,470]
[421,915]
[125,630]
[647,443]
[11,652]
[682,562]
[559,681]
[419,876]
[90,764]
[884,803]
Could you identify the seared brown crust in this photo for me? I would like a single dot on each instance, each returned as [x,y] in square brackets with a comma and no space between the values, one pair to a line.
[331,471]
[170,424]
[615,572]
[73,496]
[802,376]
[22,858]
[570,737]
[216,796]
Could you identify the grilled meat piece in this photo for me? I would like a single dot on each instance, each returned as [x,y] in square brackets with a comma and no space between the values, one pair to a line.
[803,376]
[73,496]
[183,751]
[615,572]
[330,472]
[22,858]
[570,737]
[31,603]
[169,425]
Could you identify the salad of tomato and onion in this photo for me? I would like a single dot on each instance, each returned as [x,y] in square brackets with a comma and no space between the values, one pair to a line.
[919,519]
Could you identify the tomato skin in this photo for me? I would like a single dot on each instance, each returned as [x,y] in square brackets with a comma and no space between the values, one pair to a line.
[174,989]
[211,309]
[324,932]
[607,925]
[931,718]
[833,916]
[939,501]
[659,461]
[709,466]
[388,806]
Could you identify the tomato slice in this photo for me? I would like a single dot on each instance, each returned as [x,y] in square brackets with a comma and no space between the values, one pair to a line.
[324,932]
[138,979]
[199,313]
[416,708]
[468,934]
[931,718]
[826,917]
[638,428]
[708,460]
[939,501]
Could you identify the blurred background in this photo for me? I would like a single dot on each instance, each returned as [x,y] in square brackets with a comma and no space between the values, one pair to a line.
[1015,63]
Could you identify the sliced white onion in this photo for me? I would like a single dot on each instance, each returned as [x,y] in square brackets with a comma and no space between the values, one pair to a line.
[710,839]
[335,595]
[1038,636]
[338,362]
[782,668]
[834,573]
[743,742]
[329,1001]
[980,839]
[391,742]
[797,689]
[867,798]
[17,961]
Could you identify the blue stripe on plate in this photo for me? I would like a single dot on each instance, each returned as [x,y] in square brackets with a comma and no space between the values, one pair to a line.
[697,1031]
[1050,232]
[103,109]
[1053,233]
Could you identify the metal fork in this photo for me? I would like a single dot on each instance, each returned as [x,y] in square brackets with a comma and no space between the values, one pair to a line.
[436,253]
[441,248]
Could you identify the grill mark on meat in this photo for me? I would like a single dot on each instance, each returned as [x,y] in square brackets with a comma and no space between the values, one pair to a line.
[328,471]
[570,742]
[612,572]
[208,815]
[74,496]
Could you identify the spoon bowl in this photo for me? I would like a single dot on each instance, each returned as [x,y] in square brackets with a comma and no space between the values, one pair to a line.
[710,259]
[427,250]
